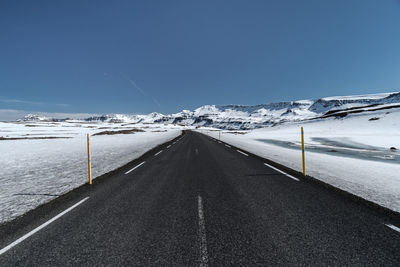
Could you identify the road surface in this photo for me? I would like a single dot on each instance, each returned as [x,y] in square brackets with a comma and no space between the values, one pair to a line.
[200,202]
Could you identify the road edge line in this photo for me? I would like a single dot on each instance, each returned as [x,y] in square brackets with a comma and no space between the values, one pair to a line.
[242,153]
[137,166]
[37,229]
[284,173]
[393,227]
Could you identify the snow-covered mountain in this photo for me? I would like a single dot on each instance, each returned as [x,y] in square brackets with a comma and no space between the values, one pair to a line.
[257,116]
[127,118]
[34,117]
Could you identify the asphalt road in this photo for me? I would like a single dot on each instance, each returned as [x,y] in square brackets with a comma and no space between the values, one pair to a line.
[202,203]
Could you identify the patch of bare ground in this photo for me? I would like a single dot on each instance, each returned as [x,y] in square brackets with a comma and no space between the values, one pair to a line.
[32,138]
[237,132]
[42,125]
[128,131]
[103,128]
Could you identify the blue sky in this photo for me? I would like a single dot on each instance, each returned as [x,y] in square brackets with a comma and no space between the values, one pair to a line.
[167,55]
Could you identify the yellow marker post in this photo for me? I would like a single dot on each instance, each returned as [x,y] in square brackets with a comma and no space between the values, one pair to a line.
[89,159]
[302,151]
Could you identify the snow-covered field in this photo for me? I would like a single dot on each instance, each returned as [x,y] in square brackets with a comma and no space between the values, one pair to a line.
[352,154]
[36,171]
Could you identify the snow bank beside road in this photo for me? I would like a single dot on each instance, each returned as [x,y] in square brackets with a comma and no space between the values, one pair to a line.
[344,164]
[35,171]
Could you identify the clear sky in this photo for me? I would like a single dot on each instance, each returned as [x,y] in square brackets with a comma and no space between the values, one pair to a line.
[143,56]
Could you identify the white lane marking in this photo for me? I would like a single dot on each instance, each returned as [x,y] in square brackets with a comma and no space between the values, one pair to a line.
[227,145]
[284,173]
[393,227]
[19,240]
[202,234]
[242,153]
[159,152]
[219,142]
[197,151]
[169,146]
[137,166]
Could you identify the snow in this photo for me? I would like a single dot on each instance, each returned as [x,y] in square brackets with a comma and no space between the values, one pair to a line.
[352,154]
[358,97]
[36,171]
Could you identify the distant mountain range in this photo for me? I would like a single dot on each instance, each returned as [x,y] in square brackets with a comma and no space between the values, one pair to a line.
[257,116]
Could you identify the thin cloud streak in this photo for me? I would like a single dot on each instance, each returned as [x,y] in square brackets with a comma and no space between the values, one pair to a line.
[17,101]
[14,114]
[26,102]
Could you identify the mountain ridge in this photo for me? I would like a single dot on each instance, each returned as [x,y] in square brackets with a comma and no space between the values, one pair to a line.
[233,116]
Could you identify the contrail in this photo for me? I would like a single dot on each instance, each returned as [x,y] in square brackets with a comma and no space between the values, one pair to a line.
[142,91]
[156,102]
[136,86]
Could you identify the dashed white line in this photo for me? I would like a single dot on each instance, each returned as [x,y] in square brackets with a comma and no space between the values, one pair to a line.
[202,234]
[169,146]
[284,173]
[227,145]
[19,240]
[393,227]
[242,153]
[135,167]
[219,142]
[158,153]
